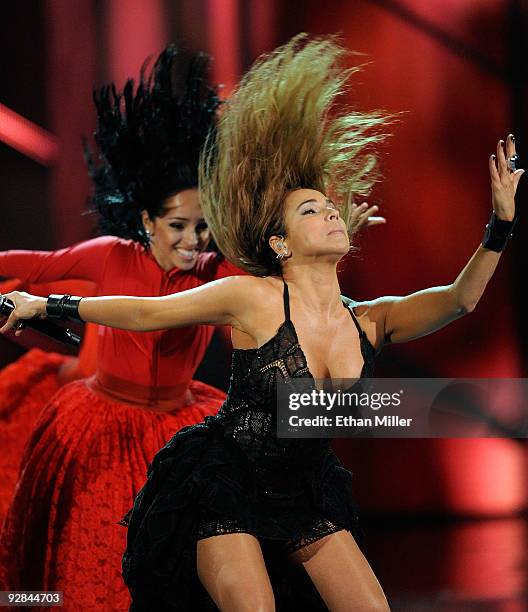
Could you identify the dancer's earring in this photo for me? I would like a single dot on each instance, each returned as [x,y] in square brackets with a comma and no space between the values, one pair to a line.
[282,248]
[282,254]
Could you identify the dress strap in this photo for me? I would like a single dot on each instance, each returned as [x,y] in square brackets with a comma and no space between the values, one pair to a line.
[349,308]
[286,298]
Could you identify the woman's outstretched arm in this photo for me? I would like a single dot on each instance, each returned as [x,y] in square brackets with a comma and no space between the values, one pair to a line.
[215,303]
[399,319]
[82,261]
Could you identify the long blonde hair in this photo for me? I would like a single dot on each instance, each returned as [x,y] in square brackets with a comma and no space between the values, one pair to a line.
[277,133]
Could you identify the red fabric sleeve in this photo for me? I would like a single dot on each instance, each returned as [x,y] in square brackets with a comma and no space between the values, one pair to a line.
[226,268]
[212,266]
[82,261]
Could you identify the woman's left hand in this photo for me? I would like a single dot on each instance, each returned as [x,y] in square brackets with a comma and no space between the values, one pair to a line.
[362,216]
[503,181]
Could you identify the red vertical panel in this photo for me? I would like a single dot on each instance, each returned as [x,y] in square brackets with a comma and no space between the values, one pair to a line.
[134,30]
[224,35]
[263,26]
[71,74]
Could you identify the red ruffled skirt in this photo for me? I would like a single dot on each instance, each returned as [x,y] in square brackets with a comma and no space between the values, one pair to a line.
[82,468]
[25,387]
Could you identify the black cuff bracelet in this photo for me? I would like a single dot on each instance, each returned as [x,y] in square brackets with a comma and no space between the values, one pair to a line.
[64,307]
[497,233]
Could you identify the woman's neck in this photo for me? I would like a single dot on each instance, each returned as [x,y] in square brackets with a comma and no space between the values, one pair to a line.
[316,287]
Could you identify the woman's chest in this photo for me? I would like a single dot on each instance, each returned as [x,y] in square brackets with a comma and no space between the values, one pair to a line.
[333,353]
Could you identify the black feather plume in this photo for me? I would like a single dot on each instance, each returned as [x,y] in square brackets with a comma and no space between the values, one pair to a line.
[149,140]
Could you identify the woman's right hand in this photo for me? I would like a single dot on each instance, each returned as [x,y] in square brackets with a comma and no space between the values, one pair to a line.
[26,307]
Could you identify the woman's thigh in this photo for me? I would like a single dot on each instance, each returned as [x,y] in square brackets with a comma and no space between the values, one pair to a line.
[341,574]
[231,567]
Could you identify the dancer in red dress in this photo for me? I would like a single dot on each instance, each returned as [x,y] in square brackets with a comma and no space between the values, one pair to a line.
[28,383]
[93,442]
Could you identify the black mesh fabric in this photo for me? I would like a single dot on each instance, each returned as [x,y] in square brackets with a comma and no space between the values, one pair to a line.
[232,474]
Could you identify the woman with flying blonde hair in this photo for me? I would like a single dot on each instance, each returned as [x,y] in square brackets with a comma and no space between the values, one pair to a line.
[231,515]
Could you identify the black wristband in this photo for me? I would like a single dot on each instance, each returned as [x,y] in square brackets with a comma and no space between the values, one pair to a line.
[64,307]
[497,233]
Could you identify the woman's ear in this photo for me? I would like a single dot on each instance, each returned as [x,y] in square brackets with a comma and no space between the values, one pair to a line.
[279,246]
[147,223]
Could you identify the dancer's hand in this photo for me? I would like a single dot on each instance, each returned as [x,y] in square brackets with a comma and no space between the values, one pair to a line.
[504,181]
[26,307]
[362,216]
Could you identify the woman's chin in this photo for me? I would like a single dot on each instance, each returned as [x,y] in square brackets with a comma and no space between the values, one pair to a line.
[184,263]
[338,251]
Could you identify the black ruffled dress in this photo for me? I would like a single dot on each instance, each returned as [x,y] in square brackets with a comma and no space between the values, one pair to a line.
[232,474]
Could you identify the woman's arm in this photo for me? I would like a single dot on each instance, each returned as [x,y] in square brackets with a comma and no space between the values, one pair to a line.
[82,261]
[216,303]
[399,319]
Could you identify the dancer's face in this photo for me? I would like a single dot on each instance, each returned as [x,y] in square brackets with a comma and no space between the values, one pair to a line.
[179,233]
[314,227]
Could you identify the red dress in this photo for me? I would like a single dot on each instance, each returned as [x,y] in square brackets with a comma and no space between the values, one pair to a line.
[88,455]
[28,383]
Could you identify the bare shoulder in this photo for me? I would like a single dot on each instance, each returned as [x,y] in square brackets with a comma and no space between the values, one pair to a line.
[249,293]
[259,310]
[252,288]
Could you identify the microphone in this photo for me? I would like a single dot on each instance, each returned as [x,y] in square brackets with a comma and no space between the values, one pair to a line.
[56,332]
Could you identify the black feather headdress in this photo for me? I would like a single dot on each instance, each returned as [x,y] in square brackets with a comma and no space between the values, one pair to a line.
[149,138]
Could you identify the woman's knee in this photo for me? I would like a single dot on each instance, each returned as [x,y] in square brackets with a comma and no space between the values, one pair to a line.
[245,597]
[352,604]
[378,604]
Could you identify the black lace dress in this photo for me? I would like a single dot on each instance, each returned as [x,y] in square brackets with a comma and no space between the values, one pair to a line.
[231,474]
